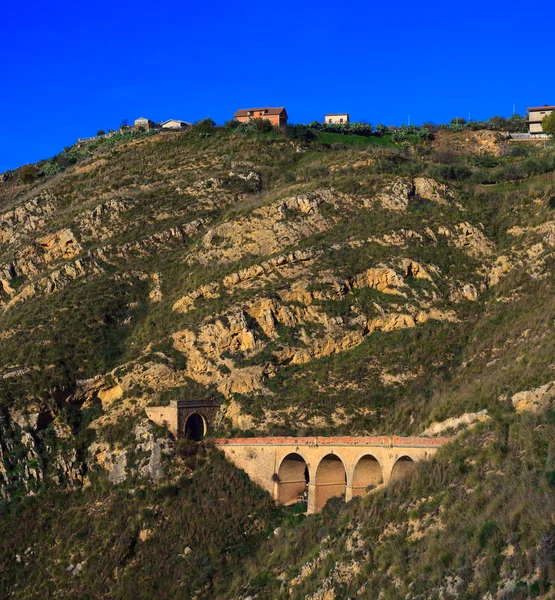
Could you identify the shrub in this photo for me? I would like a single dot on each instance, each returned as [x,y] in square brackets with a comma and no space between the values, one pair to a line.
[232,124]
[204,125]
[100,132]
[399,135]
[424,134]
[28,173]
[548,124]
[485,159]
[262,125]
[364,129]
[487,531]
[454,172]
[51,167]
[431,127]
[446,157]
[301,133]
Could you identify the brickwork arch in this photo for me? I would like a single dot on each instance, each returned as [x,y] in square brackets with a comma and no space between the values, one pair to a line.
[403,468]
[330,480]
[293,478]
[195,427]
[367,472]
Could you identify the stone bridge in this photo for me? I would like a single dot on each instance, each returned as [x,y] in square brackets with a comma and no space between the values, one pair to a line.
[291,468]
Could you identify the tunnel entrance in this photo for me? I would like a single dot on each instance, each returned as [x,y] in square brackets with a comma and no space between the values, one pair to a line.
[368,472]
[293,478]
[404,468]
[195,427]
[331,480]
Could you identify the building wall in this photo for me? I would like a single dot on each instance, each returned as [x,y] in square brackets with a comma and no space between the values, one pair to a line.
[173,125]
[165,416]
[274,119]
[339,119]
[535,119]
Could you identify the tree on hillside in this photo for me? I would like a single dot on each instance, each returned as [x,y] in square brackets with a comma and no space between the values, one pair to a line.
[28,173]
[204,125]
[548,124]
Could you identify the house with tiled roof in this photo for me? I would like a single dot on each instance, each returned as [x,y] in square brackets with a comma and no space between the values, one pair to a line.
[276,116]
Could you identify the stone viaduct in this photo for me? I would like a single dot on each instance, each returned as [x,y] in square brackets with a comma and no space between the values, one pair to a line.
[311,469]
[325,467]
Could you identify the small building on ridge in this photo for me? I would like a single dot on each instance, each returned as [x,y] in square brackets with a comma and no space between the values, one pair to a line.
[146,124]
[337,119]
[276,116]
[536,116]
[175,124]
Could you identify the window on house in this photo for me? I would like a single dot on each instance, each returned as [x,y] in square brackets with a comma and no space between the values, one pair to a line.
[341,120]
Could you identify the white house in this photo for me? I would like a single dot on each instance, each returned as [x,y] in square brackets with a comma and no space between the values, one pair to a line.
[337,119]
[175,124]
[145,123]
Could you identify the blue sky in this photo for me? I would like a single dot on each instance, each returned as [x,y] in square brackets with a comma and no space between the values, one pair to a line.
[71,68]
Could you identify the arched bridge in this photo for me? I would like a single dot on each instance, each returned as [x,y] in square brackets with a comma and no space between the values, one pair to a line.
[316,469]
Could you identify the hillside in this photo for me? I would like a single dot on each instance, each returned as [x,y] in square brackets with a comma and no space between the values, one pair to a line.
[314,288]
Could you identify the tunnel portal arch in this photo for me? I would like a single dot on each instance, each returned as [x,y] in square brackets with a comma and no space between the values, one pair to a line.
[293,479]
[195,427]
[404,468]
[331,480]
[367,472]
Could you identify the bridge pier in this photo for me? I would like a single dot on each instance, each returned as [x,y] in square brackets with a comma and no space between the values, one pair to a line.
[311,504]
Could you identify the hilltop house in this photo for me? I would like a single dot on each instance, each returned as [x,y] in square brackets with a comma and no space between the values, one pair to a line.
[146,124]
[339,118]
[536,116]
[175,124]
[276,116]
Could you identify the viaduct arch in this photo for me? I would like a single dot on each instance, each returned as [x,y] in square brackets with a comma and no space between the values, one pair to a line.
[315,469]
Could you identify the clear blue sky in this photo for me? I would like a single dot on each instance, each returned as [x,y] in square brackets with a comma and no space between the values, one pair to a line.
[71,68]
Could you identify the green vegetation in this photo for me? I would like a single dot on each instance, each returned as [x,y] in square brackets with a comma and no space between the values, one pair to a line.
[353,140]
[479,514]
[196,528]
[548,124]
[350,338]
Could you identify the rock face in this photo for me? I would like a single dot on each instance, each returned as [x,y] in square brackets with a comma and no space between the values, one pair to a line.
[61,244]
[536,400]
[23,447]
[463,421]
[120,462]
